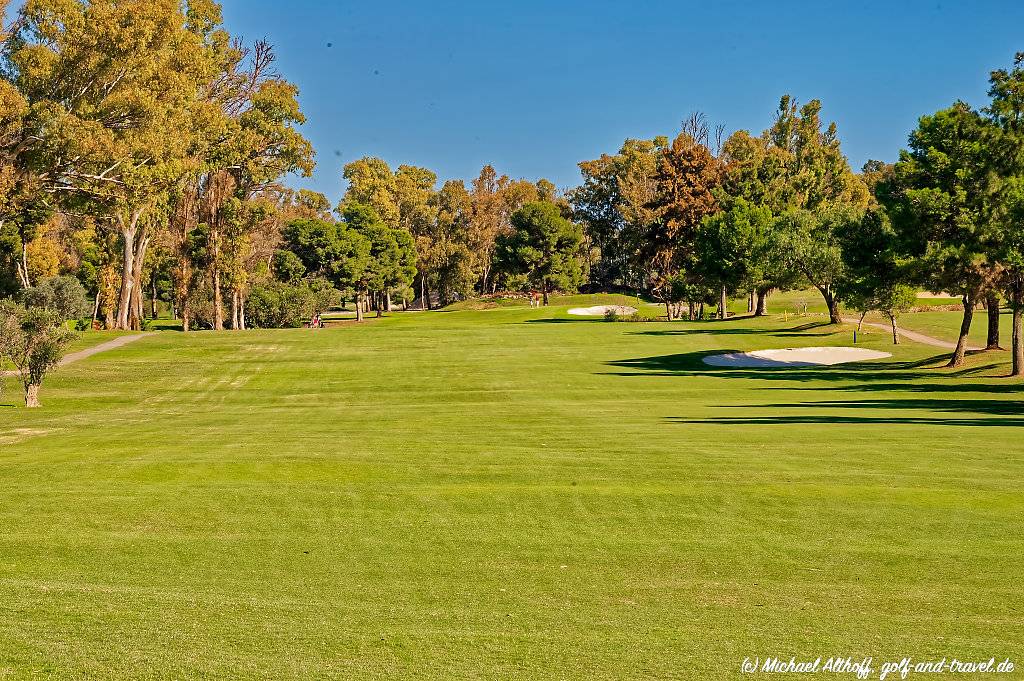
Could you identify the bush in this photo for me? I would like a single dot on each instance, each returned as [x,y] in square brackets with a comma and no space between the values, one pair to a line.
[614,316]
[277,305]
[64,296]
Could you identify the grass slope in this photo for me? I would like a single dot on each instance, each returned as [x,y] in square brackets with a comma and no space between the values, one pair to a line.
[504,494]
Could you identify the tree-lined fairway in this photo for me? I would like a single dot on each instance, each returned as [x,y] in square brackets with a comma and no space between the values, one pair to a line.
[505,493]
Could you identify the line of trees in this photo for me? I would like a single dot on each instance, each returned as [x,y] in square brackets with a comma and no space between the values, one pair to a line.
[139,140]
[142,149]
[701,217]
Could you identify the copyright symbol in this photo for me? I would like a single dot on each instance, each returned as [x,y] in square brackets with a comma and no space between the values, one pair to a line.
[749,666]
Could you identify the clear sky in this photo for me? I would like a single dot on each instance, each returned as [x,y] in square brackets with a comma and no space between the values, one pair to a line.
[534,87]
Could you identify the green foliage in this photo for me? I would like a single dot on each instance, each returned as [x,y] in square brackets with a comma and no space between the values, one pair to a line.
[391,261]
[336,251]
[943,211]
[449,258]
[544,246]
[876,274]
[278,304]
[733,247]
[64,296]
[287,266]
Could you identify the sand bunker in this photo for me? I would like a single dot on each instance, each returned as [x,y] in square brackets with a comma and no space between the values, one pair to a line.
[600,310]
[795,357]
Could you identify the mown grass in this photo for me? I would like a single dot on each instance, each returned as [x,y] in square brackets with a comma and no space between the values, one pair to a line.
[505,494]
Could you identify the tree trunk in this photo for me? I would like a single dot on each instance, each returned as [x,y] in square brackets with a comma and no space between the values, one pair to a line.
[723,305]
[359,306]
[234,310]
[762,303]
[668,310]
[241,312]
[136,313]
[860,324]
[992,305]
[127,283]
[895,330]
[96,305]
[218,301]
[1018,339]
[23,266]
[387,302]
[423,291]
[154,312]
[32,396]
[750,302]
[833,305]
[1018,326]
[965,329]
[546,287]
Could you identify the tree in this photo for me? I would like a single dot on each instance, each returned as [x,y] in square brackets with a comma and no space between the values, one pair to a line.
[246,117]
[414,195]
[819,193]
[1006,111]
[34,340]
[611,205]
[335,251]
[876,274]
[664,209]
[732,248]
[488,220]
[811,242]
[544,247]
[756,172]
[371,183]
[944,210]
[391,262]
[450,258]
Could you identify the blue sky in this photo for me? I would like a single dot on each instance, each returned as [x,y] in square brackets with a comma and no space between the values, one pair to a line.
[535,87]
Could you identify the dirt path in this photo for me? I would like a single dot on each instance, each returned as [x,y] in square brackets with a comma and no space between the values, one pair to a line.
[94,350]
[911,335]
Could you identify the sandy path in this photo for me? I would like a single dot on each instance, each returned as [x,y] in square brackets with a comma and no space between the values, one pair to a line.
[94,350]
[911,335]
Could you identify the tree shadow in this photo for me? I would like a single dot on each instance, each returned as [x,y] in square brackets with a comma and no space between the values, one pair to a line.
[1003,388]
[557,320]
[692,364]
[974,412]
[796,331]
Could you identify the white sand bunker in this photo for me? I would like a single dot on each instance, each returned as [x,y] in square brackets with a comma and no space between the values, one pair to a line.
[795,357]
[600,310]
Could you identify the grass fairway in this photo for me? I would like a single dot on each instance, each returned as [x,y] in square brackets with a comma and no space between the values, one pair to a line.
[505,493]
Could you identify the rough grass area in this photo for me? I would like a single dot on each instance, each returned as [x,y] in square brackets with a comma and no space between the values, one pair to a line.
[508,494]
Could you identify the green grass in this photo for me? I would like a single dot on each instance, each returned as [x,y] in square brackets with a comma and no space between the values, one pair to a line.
[505,494]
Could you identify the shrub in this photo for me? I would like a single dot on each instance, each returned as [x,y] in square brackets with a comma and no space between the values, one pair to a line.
[64,296]
[277,305]
[614,316]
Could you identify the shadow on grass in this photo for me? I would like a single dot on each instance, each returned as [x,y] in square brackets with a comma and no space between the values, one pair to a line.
[692,364]
[973,413]
[556,320]
[1002,388]
[796,331]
